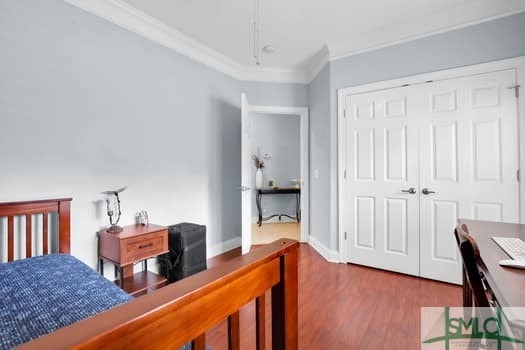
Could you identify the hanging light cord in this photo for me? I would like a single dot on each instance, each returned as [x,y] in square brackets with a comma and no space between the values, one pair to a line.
[256,48]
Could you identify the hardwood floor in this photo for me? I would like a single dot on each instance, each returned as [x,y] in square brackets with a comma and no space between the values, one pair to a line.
[269,232]
[343,306]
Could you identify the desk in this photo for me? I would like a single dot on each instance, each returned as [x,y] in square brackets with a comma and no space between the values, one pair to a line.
[507,284]
[267,191]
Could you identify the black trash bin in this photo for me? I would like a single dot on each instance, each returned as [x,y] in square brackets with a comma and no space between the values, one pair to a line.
[187,251]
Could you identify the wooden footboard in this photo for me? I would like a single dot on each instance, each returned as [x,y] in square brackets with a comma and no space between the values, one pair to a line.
[184,311]
[179,313]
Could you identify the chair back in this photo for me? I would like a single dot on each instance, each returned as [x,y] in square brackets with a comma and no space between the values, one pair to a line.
[471,265]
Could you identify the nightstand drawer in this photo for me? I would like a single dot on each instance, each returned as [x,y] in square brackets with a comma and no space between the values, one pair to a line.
[144,246]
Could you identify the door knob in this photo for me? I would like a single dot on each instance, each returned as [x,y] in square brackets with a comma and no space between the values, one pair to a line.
[411,190]
[244,188]
[426,191]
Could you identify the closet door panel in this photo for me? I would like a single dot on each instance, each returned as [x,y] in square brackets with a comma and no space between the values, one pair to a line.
[468,162]
[382,141]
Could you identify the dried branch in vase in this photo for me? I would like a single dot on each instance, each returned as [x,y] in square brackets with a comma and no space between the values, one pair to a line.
[259,164]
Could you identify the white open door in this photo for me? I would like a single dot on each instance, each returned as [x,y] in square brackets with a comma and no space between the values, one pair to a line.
[246,175]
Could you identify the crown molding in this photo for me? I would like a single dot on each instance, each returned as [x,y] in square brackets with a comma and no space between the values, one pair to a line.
[273,75]
[422,36]
[128,17]
[317,63]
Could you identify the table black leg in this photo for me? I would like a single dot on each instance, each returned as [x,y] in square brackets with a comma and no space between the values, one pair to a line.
[298,206]
[146,265]
[259,209]
[101,266]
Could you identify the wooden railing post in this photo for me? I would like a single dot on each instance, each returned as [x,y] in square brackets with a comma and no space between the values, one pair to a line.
[64,226]
[234,335]
[260,322]
[199,343]
[285,305]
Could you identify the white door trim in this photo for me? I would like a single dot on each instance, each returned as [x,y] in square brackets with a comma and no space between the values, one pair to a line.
[517,63]
[246,176]
[302,112]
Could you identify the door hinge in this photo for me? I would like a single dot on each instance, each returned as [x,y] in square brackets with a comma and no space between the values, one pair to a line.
[344,113]
[516,90]
[518,175]
[344,174]
[346,236]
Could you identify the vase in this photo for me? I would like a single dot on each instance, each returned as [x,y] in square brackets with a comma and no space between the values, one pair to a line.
[258,178]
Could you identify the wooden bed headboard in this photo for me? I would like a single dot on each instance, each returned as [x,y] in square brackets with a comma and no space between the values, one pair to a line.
[27,209]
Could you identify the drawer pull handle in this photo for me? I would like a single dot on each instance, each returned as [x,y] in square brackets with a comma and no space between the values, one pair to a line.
[145,245]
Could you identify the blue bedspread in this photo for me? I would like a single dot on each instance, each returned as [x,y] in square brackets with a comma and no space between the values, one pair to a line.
[42,294]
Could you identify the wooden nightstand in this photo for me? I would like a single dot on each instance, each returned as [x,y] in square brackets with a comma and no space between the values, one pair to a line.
[134,244]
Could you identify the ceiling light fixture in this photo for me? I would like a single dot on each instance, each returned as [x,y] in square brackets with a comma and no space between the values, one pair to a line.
[268,49]
[256,47]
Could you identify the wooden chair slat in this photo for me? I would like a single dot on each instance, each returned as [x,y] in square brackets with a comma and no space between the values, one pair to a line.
[471,270]
[29,235]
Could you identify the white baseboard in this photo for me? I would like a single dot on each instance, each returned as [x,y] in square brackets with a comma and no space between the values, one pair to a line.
[213,250]
[329,255]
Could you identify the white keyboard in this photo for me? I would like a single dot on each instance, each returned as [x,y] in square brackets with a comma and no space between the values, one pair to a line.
[514,247]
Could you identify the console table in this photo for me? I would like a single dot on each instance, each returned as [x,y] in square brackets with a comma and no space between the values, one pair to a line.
[266,191]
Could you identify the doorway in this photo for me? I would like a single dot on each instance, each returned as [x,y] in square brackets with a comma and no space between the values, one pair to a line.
[276,210]
[278,206]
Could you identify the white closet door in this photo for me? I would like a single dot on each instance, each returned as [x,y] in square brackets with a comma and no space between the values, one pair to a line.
[382,161]
[469,158]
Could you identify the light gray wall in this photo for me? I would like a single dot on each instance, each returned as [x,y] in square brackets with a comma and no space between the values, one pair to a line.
[319,96]
[87,106]
[278,136]
[485,42]
[275,94]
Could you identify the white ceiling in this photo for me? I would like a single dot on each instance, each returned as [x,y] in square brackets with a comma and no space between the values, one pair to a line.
[299,29]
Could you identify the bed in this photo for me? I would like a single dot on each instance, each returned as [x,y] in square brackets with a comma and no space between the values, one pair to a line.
[99,315]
